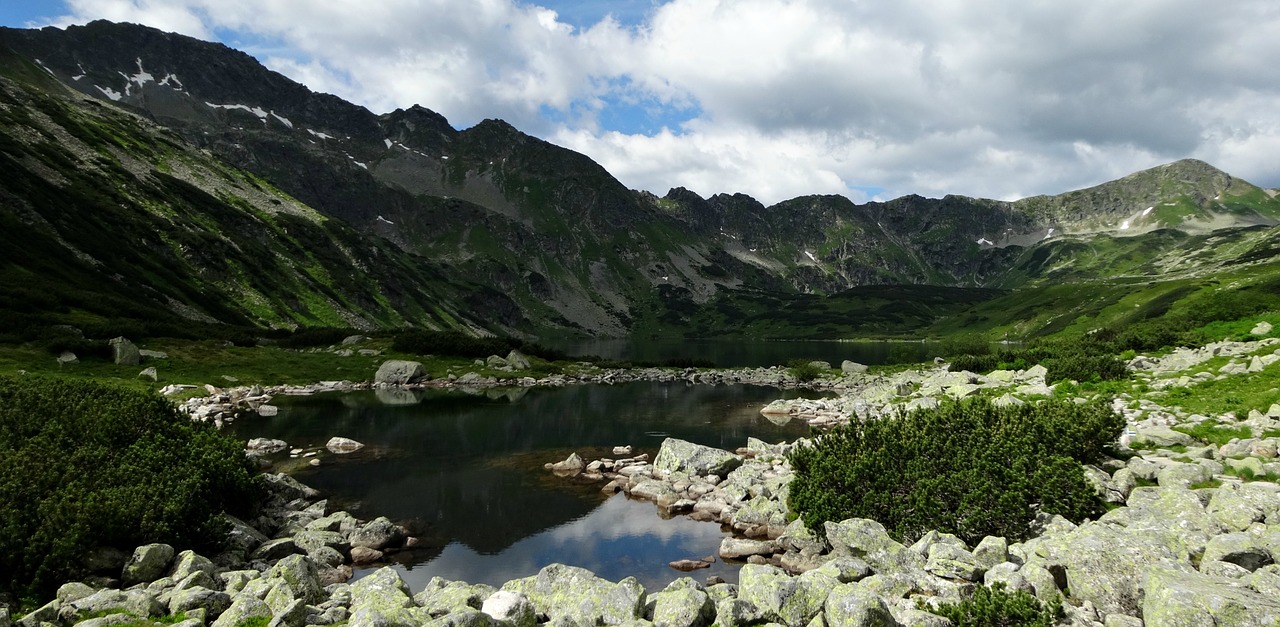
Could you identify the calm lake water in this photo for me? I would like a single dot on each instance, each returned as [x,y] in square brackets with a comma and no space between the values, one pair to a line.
[751,353]
[464,471]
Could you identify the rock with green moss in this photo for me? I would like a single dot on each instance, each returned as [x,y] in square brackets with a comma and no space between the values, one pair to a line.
[577,593]
[300,573]
[683,603]
[677,455]
[512,607]
[148,563]
[1175,598]
[782,598]
[868,540]
[1241,549]
[442,596]
[243,608]
[850,604]
[215,602]
[1175,516]
[953,562]
[1105,564]
[383,597]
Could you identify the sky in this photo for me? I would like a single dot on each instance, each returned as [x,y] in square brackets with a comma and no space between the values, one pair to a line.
[871,99]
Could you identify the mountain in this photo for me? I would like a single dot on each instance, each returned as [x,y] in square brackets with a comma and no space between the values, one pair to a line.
[179,179]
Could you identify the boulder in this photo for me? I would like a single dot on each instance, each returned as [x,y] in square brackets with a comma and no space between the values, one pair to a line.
[149,373]
[571,464]
[568,592]
[1159,437]
[845,569]
[514,608]
[737,548]
[265,446]
[382,597]
[214,602]
[341,446]
[243,608]
[1241,549]
[1175,597]
[124,352]
[188,563]
[1105,564]
[377,534]
[848,604]
[149,562]
[781,598]
[398,372]
[683,603]
[441,596]
[1262,328]
[953,562]
[300,574]
[694,459]
[868,540]
[517,360]
[852,367]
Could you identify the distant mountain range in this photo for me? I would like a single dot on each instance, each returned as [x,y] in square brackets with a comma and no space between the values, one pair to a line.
[152,176]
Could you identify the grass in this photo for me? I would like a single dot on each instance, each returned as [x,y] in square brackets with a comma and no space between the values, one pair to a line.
[1213,433]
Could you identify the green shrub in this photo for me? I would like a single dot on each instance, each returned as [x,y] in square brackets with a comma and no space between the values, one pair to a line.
[964,344]
[803,370]
[996,607]
[1085,367]
[975,363]
[84,464]
[967,468]
[450,343]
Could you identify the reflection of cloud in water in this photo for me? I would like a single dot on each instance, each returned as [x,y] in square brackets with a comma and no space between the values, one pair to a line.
[620,538]
[777,419]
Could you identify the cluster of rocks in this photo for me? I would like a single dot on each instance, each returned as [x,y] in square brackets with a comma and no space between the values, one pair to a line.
[259,449]
[289,565]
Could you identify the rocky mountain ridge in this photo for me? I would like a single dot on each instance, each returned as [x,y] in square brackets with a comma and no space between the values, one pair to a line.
[552,243]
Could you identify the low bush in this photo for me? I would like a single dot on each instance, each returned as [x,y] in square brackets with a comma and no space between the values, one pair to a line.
[450,344]
[1082,367]
[803,370]
[968,468]
[997,607]
[84,464]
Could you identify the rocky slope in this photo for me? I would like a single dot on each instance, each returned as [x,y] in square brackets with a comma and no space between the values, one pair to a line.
[549,241]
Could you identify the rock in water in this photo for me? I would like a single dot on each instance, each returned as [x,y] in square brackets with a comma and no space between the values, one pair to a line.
[573,463]
[342,446]
[695,459]
[398,372]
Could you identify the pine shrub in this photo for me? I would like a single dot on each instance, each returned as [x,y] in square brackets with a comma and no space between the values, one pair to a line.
[967,468]
[84,464]
[996,607]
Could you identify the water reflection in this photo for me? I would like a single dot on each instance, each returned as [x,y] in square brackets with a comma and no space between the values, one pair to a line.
[750,353]
[465,470]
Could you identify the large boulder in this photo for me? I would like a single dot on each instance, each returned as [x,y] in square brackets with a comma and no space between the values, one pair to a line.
[1175,598]
[377,534]
[124,352]
[694,459]
[442,596]
[1106,564]
[568,592]
[398,372]
[849,604]
[149,563]
[382,598]
[683,603]
[781,598]
[243,608]
[514,608]
[867,539]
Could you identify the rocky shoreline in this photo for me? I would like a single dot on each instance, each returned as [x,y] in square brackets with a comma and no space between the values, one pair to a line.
[1188,542]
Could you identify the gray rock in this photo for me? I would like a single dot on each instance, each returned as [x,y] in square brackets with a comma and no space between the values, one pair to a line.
[213,601]
[124,352]
[149,562]
[442,596]
[845,569]
[300,573]
[342,446]
[265,446]
[513,607]
[571,464]
[377,534]
[149,373]
[518,361]
[1260,329]
[782,598]
[272,550]
[953,562]
[849,604]
[465,618]
[1241,549]
[398,372]
[1159,437]
[74,591]
[1007,574]
[1173,517]
[189,562]
[243,607]
[868,540]
[852,367]
[694,459]
[990,551]
[1175,597]
[800,538]
[737,548]
[1105,565]
[66,357]
[560,591]
[685,605]
[383,598]
[1183,475]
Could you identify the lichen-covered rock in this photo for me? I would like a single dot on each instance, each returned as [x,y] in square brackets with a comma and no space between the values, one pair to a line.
[577,593]
[149,562]
[680,456]
[300,573]
[1007,574]
[275,549]
[398,372]
[1159,437]
[1175,598]
[1175,516]
[1233,511]
[1105,565]
[953,562]
[868,540]
[1180,475]
[213,601]
[732,548]
[781,598]
[442,596]
[513,607]
[849,604]
[798,537]
[1241,549]
[243,607]
[990,551]
[377,534]
[189,562]
[382,597]
[683,603]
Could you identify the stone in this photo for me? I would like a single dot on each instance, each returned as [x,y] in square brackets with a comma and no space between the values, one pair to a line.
[571,464]
[382,597]
[990,551]
[561,591]
[849,604]
[148,563]
[1159,437]
[782,598]
[441,596]
[694,459]
[214,602]
[149,373]
[1241,549]
[1105,564]
[265,446]
[188,563]
[1183,475]
[272,550]
[1232,510]
[845,569]
[300,573]
[124,352]
[1260,329]
[364,555]
[1175,597]
[243,607]
[953,562]
[868,540]
[732,548]
[682,606]
[852,367]
[1007,574]
[341,446]
[399,372]
[377,534]
[798,537]
[517,360]
[513,607]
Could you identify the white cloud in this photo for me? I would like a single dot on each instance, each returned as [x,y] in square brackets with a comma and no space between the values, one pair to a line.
[981,97]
